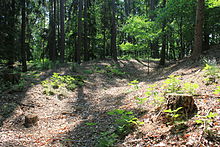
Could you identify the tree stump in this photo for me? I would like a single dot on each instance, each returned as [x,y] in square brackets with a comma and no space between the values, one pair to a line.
[185,101]
[30,120]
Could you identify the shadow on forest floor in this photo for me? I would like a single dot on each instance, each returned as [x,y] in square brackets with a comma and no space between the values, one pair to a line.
[95,107]
[88,106]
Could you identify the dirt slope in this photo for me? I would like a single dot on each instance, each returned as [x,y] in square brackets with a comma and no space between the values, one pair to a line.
[63,121]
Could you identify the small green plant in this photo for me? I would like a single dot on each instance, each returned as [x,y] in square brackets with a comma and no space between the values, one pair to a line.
[90,124]
[152,92]
[107,139]
[190,88]
[20,86]
[172,84]
[173,115]
[125,122]
[141,100]
[212,73]
[134,85]
[206,121]
[217,90]
[58,83]
[73,67]
[113,70]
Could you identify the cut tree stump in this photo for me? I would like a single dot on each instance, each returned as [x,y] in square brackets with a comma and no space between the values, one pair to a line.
[185,101]
[30,120]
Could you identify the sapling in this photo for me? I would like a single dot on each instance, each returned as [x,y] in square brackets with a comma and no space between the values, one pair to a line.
[173,114]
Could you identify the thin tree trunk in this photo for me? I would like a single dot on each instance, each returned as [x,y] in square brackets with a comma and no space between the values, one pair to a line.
[163,50]
[54,32]
[79,41]
[86,50]
[23,54]
[113,32]
[62,40]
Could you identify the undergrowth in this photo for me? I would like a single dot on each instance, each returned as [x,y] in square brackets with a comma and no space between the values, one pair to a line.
[59,84]
[125,123]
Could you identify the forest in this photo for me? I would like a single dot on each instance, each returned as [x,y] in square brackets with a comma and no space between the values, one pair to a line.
[109,73]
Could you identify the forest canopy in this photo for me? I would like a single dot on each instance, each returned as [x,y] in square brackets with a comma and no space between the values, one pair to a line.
[82,30]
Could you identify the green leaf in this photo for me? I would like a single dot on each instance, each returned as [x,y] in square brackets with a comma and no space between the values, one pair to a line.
[199,121]
[91,124]
[169,111]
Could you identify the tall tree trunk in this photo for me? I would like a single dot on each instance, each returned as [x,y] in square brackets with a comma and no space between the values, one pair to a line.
[182,54]
[79,40]
[62,39]
[86,50]
[113,32]
[52,32]
[11,34]
[163,50]
[23,54]
[198,30]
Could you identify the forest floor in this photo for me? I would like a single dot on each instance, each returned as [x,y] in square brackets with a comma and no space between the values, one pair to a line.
[80,118]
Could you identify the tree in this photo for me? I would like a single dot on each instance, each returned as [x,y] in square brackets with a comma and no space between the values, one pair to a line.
[52,31]
[113,31]
[86,47]
[163,50]
[80,29]
[62,40]
[23,54]
[198,37]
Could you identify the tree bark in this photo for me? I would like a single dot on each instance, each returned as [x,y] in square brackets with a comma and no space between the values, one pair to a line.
[86,50]
[79,40]
[52,32]
[62,40]
[23,25]
[198,36]
[163,50]
[113,32]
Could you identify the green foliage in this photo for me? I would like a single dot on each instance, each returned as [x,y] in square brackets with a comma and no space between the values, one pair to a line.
[211,70]
[114,70]
[143,30]
[20,85]
[61,82]
[212,73]
[206,120]
[110,70]
[125,121]
[141,100]
[152,92]
[13,87]
[107,139]
[190,88]
[217,90]
[173,114]
[172,84]
[42,64]
[134,85]
[213,3]
[91,124]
